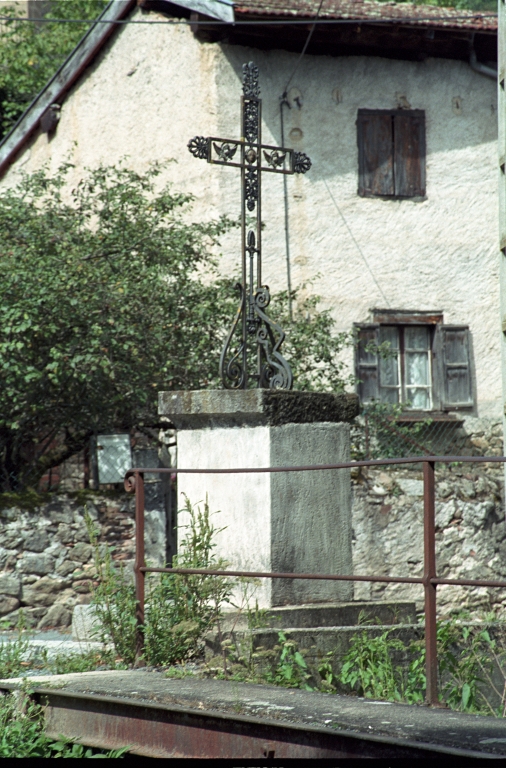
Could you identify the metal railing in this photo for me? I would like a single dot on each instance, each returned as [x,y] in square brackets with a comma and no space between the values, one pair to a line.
[134,482]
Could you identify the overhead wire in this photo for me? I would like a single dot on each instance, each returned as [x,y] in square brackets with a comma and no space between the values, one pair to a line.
[283,101]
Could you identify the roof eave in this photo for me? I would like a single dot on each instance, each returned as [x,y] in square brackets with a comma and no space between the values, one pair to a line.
[55,90]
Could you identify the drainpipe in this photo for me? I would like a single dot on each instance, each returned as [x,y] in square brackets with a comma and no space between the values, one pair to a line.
[482,69]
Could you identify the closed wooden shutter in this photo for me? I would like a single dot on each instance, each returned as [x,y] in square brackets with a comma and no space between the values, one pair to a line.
[375,155]
[409,154]
[456,367]
[366,362]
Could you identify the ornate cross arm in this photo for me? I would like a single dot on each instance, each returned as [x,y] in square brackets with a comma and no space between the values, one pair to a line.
[265,157]
[252,350]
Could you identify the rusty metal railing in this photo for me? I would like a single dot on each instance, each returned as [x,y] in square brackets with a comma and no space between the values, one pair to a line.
[134,482]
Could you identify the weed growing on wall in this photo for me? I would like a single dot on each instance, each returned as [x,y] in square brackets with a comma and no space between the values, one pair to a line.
[179,609]
[15,654]
[467,656]
[182,607]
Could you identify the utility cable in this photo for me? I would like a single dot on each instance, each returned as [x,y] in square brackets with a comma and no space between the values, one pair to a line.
[283,101]
[359,249]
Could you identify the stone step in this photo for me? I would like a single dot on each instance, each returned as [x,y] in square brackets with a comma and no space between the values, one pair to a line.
[324,615]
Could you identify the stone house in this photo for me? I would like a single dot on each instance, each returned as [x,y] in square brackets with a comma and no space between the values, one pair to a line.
[395,226]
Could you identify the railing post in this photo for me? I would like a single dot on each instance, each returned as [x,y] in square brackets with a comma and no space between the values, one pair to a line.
[140,576]
[429,556]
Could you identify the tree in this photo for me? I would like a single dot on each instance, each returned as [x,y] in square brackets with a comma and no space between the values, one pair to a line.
[31,53]
[109,293]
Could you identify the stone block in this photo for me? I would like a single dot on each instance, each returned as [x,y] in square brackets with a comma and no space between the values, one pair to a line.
[410,487]
[35,563]
[31,617]
[294,522]
[85,623]
[226,407]
[6,555]
[65,534]
[67,567]
[82,552]
[59,511]
[8,604]
[10,584]
[57,616]
[35,541]
[42,592]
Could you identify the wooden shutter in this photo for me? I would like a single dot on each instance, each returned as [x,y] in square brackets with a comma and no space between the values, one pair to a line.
[375,153]
[409,153]
[456,367]
[366,363]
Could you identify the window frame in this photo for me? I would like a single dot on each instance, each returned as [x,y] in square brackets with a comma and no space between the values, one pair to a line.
[444,372]
[403,385]
[371,182]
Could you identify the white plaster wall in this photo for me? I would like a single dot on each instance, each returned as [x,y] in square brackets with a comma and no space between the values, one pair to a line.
[245,541]
[154,87]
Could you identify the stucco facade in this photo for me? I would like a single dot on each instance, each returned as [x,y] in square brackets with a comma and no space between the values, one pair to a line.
[153,87]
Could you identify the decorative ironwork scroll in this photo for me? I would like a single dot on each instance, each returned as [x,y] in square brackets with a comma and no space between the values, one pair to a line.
[252,349]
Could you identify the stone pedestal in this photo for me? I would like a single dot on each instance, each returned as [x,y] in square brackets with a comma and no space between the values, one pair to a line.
[297,522]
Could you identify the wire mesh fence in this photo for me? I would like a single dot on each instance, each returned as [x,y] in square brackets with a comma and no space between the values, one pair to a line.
[383,432]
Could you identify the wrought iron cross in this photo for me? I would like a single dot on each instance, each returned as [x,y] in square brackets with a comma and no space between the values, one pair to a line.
[259,338]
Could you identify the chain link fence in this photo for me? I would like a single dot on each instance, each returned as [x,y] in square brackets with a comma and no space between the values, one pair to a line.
[384,432]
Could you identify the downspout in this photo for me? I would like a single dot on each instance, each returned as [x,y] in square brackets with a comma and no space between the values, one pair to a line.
[482,69]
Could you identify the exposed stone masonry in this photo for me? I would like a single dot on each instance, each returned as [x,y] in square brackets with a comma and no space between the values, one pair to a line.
[470,528]
[46,560]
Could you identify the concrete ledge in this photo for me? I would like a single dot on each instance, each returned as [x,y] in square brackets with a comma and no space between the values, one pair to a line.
[252,407]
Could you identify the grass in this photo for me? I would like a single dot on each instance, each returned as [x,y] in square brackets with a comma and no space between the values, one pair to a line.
[22,733]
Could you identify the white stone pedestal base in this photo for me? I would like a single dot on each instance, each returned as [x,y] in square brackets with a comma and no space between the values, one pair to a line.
[294,522]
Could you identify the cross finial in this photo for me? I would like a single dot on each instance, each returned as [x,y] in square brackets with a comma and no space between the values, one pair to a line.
[255,340]
[250,86]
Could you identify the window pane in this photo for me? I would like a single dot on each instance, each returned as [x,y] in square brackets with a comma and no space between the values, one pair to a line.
[389,395]
[418,398]
[389,334]
[417,368]
[389,372]
[416,337]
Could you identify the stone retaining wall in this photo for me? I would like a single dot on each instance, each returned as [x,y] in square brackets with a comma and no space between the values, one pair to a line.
[470,529]
[46,560]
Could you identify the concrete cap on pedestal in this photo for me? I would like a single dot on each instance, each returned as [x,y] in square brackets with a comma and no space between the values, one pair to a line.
[252,407]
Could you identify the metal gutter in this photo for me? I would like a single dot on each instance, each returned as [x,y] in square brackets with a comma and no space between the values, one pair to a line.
[56,89]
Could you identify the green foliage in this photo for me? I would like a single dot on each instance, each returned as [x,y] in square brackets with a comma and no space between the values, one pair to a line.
[114,599]
[380,435]
[466,657]
[312,347]
[22,733]
[368,666]
[291,670]
[109,293]
[180,608]
[87,661]
[15,654]
[101,305]
[30,54]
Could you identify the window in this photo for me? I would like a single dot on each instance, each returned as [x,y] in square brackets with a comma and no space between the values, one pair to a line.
[391,153]
[416,361]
